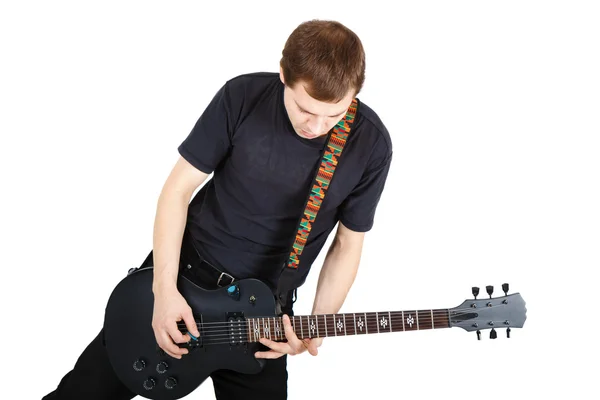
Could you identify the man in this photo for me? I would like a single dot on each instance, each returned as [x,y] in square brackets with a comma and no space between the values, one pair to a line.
[262,135]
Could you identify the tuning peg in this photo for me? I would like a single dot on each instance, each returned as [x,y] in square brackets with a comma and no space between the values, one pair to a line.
[493,334]
[505,288]
[490,290]
[478,334]
[508,333]
[475,291]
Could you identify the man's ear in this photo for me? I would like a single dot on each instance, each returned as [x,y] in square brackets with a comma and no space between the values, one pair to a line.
[281,75]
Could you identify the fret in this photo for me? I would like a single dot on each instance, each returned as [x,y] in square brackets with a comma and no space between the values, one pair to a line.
[416,312]
[366,325]
[445,318]
[441,318]
[360,324]
[403,327]
[301,336]
[372,324]
[425,319]
[307,326]
[377,319]
[331,325]
[339,324]
[390,318]
[350,328]
[344,322]
[269,328]
[325,324]
[294,325]
[249,332]
[396,316]
[382,322]
[266,333]
[256,329]
[410,321]
[432,323]
[277,325]
[261,331]
[335,328]
[272,328]
[317,323]
[313,326]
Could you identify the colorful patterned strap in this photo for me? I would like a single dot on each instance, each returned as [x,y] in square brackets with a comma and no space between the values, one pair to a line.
[334,149]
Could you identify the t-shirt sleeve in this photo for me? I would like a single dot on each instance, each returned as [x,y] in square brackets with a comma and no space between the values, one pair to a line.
[357,211]
[210,140]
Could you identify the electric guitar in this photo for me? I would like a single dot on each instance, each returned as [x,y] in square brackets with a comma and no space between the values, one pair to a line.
[232,319]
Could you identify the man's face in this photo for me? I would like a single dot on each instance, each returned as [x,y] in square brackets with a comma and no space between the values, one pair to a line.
[312,118]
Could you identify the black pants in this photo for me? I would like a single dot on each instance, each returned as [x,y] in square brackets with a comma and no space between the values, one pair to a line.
[93,378]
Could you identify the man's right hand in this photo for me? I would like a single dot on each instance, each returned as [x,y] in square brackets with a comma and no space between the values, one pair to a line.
[169,308]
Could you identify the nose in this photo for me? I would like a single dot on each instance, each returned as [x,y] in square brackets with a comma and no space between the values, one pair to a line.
[315,124]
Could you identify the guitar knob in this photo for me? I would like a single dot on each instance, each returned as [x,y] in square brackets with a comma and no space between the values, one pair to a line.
[478,334]
[508,333]
[170,383]
[505,288]
[493,334]
[475,291]
[149,384]
[234,292]
[162,367]
[490,290]
[139,365]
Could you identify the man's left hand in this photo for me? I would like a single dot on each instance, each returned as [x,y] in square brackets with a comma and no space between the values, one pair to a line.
[293,346]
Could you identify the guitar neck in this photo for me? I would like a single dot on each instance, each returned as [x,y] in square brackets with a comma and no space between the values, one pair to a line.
[329,325]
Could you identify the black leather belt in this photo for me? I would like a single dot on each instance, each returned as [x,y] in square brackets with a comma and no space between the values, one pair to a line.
[191,262]
[194,266]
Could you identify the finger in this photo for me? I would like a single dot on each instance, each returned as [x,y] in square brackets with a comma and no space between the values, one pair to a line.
[311,347]
[291,335]
[176,334]
[190,323]
[284,348]
[267,354]
[169,347]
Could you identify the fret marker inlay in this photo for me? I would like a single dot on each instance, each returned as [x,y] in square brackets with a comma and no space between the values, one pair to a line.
[410,320]
[361,324]
[383,322]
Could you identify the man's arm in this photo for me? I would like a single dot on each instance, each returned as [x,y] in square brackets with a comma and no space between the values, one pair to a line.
[171,215]
[335,280]
[339,270]
[170,219]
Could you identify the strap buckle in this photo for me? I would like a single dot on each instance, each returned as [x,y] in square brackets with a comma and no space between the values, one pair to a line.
[221,277]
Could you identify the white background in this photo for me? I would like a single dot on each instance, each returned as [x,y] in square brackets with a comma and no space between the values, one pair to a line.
[493,108]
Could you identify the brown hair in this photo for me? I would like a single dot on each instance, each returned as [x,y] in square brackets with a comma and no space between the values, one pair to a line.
[327,56]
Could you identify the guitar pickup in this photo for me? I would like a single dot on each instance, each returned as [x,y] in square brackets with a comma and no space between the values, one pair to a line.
[237,328]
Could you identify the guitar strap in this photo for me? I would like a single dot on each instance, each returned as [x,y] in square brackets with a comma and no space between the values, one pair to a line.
[289,277]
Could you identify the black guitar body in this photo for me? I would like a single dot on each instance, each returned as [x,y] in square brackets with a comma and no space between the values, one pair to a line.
[223,343]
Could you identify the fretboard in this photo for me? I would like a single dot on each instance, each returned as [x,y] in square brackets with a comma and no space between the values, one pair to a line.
[329,325]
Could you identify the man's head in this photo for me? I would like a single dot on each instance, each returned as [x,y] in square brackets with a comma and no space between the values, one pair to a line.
[323,69]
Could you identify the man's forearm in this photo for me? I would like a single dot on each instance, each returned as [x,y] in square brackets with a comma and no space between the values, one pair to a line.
[337,276]
[169,224]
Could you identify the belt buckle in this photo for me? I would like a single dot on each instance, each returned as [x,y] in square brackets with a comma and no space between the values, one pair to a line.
[221,277]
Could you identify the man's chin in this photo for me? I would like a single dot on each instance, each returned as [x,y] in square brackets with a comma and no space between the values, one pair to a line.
[307,135]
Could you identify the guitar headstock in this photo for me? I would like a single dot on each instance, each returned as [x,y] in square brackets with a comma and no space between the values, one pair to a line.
[507,312]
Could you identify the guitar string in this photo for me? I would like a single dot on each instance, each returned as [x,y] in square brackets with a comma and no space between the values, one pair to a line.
[436,313]
[246,329]
[273,321]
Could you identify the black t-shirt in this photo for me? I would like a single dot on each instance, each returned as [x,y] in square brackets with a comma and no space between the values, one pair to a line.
[244,219]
